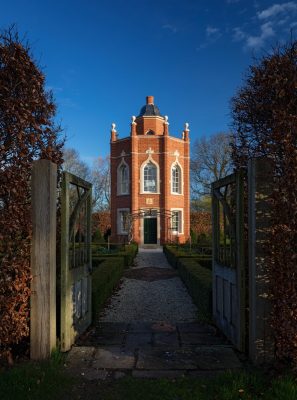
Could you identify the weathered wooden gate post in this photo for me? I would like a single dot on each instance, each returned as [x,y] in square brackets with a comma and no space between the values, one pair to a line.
[260,184]
[43,259]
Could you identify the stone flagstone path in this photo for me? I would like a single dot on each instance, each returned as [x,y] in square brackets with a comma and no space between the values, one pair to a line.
[149,329]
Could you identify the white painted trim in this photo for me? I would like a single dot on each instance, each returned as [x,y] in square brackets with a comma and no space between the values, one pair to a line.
[182,218]
[119,230]
[181,179]
[119,183]
[147,161]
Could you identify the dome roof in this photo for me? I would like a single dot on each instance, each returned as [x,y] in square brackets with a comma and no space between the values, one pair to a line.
[150,109]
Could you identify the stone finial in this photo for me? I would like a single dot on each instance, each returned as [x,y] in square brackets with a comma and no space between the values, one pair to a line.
[113,127]
[166,119]
[187,127]
[133,119]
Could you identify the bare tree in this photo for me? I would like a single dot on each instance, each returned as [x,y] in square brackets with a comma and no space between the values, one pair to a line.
[73,164]
[210,161]
[100,178]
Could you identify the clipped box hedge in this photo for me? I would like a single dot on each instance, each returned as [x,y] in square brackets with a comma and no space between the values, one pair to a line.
[173,254]
[198,281]
[105,277]
[128,253]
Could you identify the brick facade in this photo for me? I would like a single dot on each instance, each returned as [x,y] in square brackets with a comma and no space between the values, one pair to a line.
[133,204]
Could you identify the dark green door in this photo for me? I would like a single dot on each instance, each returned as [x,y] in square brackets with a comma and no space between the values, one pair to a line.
[150,231]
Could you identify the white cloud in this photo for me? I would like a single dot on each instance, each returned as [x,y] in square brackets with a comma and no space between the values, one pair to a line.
[277,9]
[212,31]
[258,41]
[212,35]
[238,34]
[170,27]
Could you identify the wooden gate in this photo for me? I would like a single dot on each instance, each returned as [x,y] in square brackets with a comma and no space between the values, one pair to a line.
[76,260]
[228,258]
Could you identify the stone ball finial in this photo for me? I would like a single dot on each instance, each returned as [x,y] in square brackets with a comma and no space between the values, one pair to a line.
[113,127]
[187,126]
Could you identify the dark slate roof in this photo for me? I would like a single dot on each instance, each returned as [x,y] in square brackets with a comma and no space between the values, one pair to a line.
[149,109]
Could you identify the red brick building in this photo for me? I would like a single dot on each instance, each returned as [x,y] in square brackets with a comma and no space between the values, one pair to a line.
[150,195]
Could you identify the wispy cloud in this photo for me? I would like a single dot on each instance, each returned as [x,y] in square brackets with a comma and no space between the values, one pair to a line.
[269,22]
[67,102]
[276,10]
[169,27]
[259,41]
[212,34]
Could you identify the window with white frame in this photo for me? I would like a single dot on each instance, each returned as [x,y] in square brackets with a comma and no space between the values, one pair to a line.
[150,178]
[176,179]
[123,221]
[123,179]
[176,221]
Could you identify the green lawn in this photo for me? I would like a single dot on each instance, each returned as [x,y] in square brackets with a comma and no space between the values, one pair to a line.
[32,380]
[48,381]
[225,387]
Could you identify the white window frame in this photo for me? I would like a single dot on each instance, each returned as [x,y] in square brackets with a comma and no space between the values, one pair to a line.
[180,222]
[142,191]
[181,181]
[119,221]
[119,179]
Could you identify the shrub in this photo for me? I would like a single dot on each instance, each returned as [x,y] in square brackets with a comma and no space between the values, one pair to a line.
[27,132]
[105,277]
[128,252]
[198,281]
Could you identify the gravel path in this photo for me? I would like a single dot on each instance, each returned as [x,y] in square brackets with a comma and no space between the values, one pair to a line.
[158,300]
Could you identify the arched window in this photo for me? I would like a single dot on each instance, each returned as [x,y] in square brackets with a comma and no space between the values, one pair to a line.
[123,179]
[176,179]
[150,178]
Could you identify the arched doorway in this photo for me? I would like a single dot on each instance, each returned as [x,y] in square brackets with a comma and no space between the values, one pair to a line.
[150,223]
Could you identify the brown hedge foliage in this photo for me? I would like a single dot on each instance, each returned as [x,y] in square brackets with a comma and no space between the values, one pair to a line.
[101,220]
[265,124]
[27,132]
[200,222]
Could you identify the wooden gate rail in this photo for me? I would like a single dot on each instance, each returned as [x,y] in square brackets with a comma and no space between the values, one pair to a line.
[229,286]
[76,258]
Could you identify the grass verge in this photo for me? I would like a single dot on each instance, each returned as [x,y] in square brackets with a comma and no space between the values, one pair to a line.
[35,380]
[228,386]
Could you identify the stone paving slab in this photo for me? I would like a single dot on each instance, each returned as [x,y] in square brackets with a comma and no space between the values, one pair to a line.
[81,353]
[216,358]
[138,340]
[158,374]
[195,327]
[201,339]
[112,326]
[166,339]
[113,358]
[166,359]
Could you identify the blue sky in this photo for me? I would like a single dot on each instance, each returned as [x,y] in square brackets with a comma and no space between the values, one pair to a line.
[101,58]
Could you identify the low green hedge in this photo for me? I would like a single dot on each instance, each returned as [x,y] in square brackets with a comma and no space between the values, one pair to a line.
[105,277]
[198,281]
[173,254]
[128,252]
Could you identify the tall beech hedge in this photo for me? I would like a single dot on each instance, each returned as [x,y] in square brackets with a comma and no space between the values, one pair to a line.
[265,125]
[27,132]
